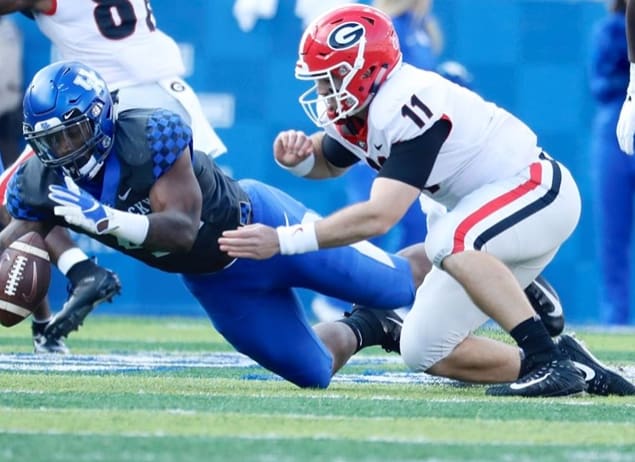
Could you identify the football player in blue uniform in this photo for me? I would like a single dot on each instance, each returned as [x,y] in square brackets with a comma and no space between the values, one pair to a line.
[132,181]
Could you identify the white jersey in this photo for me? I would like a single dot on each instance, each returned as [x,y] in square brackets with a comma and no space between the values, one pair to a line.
[119,39]
[486,143]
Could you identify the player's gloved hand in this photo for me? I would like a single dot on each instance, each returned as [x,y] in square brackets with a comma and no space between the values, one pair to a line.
[626,123]
[81,209]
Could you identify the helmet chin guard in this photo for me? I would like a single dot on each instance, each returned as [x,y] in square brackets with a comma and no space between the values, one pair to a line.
[354,48]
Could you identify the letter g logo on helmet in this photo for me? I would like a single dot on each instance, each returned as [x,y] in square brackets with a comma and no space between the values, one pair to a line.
[345,35]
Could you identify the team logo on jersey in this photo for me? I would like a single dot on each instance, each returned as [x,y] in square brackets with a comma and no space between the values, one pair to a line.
[345,36]
[177,86]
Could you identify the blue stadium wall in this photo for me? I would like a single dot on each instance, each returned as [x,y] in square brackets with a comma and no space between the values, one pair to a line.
[529,56]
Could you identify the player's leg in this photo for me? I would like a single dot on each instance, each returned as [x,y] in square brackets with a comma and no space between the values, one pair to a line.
[492,241]
[263,322]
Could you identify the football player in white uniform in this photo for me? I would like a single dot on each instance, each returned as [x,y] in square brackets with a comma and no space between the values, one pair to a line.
[509,205]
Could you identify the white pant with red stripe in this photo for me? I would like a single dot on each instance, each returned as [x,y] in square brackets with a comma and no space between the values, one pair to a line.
[522,220]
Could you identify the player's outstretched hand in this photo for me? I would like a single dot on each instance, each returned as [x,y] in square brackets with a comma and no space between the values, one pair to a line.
[79,208]
[256,241]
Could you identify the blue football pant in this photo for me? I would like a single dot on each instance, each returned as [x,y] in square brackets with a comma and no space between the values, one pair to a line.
[252,304]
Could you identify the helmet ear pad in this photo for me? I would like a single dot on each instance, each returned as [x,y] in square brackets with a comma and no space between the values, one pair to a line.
[69,118]
[356,43]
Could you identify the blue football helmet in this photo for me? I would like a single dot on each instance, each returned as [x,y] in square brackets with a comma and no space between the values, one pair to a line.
[69,118]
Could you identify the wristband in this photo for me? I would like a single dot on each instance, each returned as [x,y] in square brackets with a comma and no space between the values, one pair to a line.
[303,168]
[297,238]
[132,227]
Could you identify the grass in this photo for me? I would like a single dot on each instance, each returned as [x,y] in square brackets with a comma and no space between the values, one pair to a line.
[170,389]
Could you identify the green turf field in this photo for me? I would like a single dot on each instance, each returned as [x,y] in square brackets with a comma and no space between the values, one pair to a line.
[168,389]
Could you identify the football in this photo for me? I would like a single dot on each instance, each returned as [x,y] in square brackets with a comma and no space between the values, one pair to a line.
[25,275]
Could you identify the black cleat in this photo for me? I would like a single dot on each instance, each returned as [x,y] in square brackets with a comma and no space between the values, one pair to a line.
[600,379]
[43,343]
[92,290]
[546,303]
[558,377]
[386,326]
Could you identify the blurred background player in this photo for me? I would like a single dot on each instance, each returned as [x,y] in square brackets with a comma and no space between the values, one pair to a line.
[121,40]
[612,173]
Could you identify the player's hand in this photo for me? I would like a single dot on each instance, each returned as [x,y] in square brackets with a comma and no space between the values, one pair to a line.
[79,208]
[256,241]
[626,125]
[292,147]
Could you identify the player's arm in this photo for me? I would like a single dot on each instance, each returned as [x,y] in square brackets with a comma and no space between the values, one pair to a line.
[630,30]
[11,6]
[304,155]
[625,129]
[176,202]
[397,186]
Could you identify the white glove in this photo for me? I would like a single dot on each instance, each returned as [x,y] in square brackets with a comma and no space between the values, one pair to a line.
[626,123]
[81,209]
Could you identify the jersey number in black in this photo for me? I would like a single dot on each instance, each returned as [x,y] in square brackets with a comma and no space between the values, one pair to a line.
[415,110]
[124,23]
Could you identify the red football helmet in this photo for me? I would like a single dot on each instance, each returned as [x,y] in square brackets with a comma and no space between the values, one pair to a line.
[356,48]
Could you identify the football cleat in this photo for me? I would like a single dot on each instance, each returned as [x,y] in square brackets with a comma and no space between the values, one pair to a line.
[600,379]
[388,320]
[546,303]
[46,344]
[558,377]
[83,298]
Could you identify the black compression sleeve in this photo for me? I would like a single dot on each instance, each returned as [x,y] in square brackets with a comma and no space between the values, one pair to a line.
[411,161]
[337,154]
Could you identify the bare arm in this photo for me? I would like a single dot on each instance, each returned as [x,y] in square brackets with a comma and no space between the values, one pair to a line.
[389,200]
[11,6]
[176,203]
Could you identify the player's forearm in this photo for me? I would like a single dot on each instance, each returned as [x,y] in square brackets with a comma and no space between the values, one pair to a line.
[171,232]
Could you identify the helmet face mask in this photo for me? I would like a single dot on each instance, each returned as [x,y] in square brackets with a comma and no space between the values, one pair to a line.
[69,119]
[353,49]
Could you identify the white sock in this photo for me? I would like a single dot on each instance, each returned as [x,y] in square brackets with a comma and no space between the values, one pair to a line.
[69,258]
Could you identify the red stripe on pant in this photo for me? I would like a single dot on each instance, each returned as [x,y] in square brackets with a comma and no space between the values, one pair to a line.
[535,178]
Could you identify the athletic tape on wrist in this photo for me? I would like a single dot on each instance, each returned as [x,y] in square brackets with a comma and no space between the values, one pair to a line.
[301,169]
[297,239]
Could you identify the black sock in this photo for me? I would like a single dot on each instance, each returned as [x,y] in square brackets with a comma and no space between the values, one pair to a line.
[535,342]
[365,326]
[80,270]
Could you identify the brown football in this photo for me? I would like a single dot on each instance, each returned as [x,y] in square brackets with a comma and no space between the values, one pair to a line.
[25,275]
